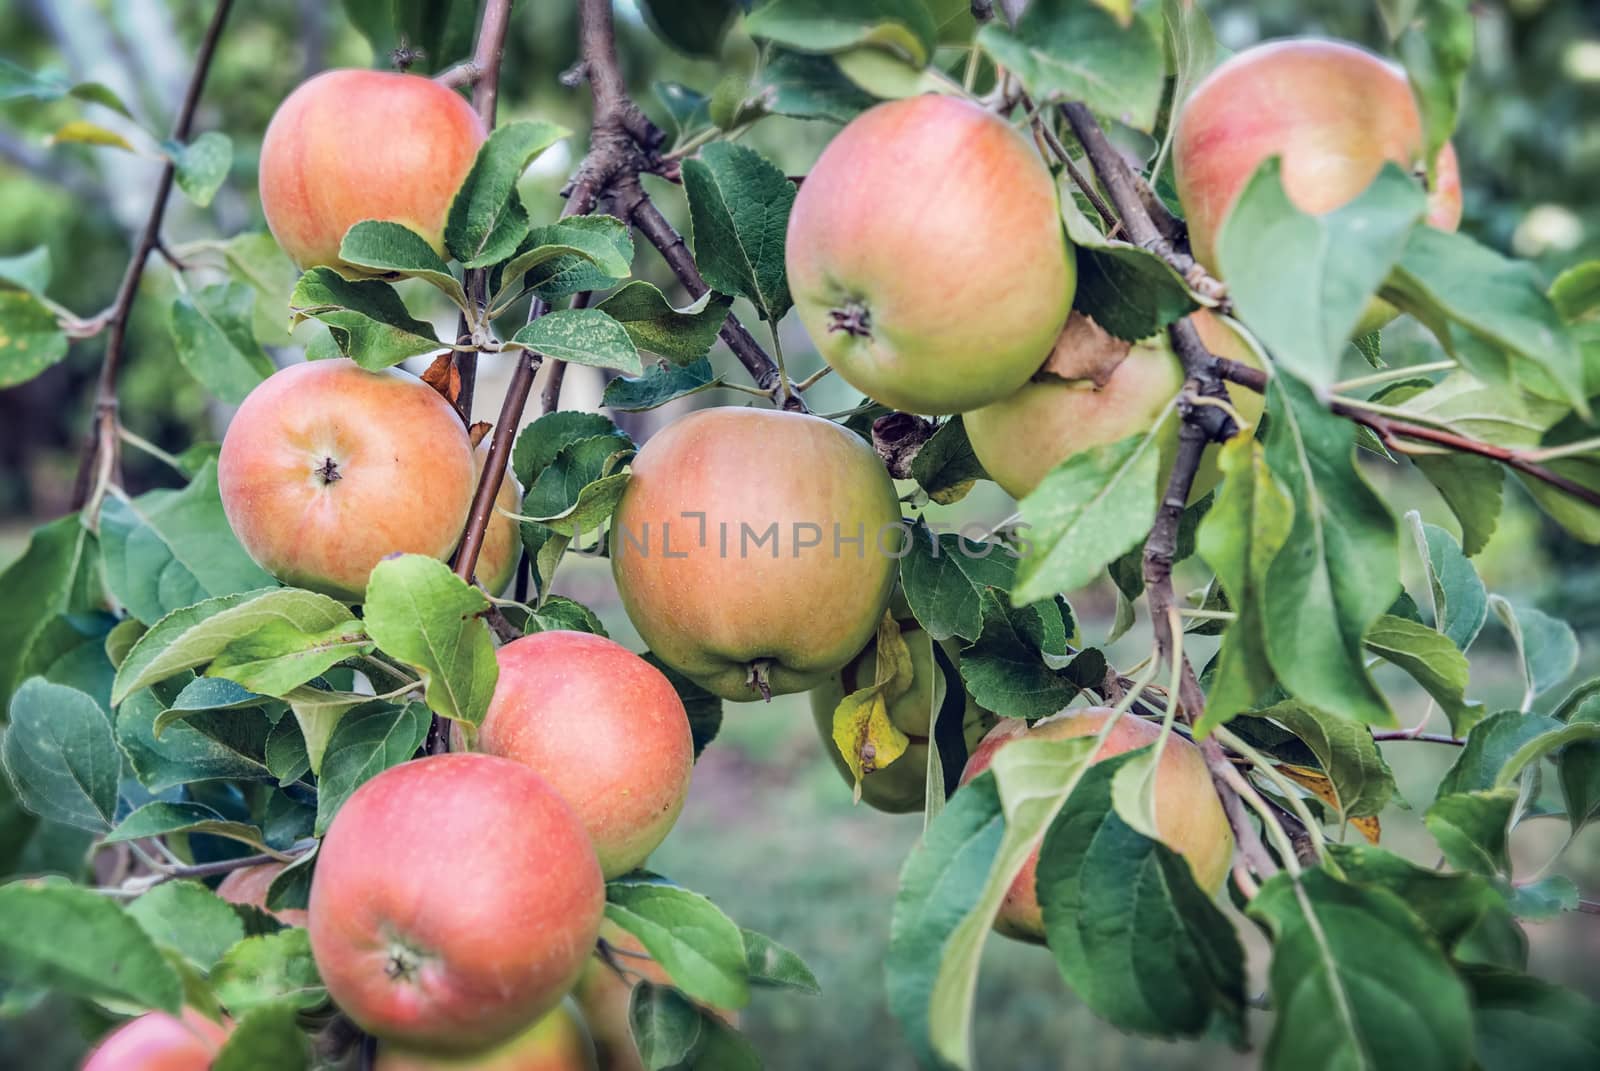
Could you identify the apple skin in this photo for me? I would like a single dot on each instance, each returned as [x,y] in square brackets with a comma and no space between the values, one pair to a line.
[938,224]
[1189,815]
[1335,114]
[157,1041]
[249,886]
[401,461]
[352,145]
[557,1042]
[605,728]
[502,538]
[901,786]
[798,611]
[1021,438]
[455,901]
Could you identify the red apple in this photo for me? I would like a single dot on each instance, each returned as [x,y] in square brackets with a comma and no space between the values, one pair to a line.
[352,145]
[926,255]
[249,885]
[455,901]
[558,1042]
[755,549]
[604,727]
[157,1041]
[327,469]
[1189,815]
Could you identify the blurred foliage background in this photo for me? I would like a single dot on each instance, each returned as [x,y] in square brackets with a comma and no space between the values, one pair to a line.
[769,831]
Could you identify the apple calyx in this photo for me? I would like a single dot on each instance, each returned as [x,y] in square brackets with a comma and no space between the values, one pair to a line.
[757,678]
[328,471]
[403,963]
[853,318]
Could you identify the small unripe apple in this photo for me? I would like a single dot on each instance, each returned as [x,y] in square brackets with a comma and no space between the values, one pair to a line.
[157,1041]
[455,901]
[557,1042]
[901,786]
[926,255]
[1334,113]
[249,885]
[502,537]
[327,469]
[754,550]
[1096,390]
[604,727]
[1189,815]
[350,145]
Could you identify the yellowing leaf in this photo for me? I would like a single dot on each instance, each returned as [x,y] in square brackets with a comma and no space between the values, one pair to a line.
[83,132]
[1121,9]
[1318,784]
[1368,827]
[894,673]
[862,731]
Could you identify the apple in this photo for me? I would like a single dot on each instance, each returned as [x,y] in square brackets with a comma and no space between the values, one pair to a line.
[901,786]
[352,145]
[754,550]
[1333,112]
[603,997]
[1189,815]
[926,256]
[328,468]
[249,885]
[455,901]
[1096,390]
[502,538]
[604,728]
[557,1042]
[157,1041]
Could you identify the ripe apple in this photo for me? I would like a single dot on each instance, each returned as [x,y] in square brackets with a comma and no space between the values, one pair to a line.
[604,727]
[455,900]
[1334,113]
[327,468]
[1096,390]
[249,886]
[926,255]
[901,786]
[603,997]
[753,549]
[557,1042]
[156,1041]
[1189,815]
[350,145]
[502,539]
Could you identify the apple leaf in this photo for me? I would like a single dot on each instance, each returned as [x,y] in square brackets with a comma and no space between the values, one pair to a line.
[212,746]
[1472,829]
[901,26]
[1433,661]
[1490,747]
[1522,1022]
[30,338]
[945,581]
[739,205]
[422,614]
[368,321]
[689,936]
[268,969]
[1460,602]
[366,742]
[487,219]
[60,754]
[202,165]
[945,466]
[58,573]
[268,1036]
[772,965]
[393,249]
[578,253]
[159,818]
[28,271]
[1129,291]
[659,385]
[1436,49]
[581,336]
[808,87]
[280,656]
[1362,781]
[1547,648]
[190,919]
[212,333]
[696,27]
[683,336]
[664,1023]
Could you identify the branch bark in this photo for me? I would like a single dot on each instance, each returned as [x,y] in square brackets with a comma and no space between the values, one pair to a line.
[101,452]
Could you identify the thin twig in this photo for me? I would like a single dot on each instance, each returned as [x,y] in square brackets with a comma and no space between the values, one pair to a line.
[101,452]
[1388,735]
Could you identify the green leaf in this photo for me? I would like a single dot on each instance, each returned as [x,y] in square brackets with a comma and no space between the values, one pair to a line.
[254,259]
[1472,829]
[1449,904]
[1362,781]
[393,249]
[269,969]
[202,747]
[280,656]
[1575,292]
[437,32]
[664,1023]
[1134,937]
[190,919]
[1489,313]
[541,441]
[808,87]
[901,26]
[1087,511]
[658,386]
[365,743]
[1006,673]
[1339,568]
[202,165]
[693,26]
[1239,537]
[28,271]
[581,336]
[945,466]
[560,614]
[368,321]
[19,83]
[1490,746]
[1068,50]
[1523,1022]
[739,205]
[487,219]
[577,253]
[683,336]
[422,614]
[945,582]
[195,635]
[1436,49]
[77,942]
[1129,291]
[1357,982]
[770,964]
[61,756]
[30,338]
[689,936]
[1546,646]
[58,573]
[1579,770]
[1302,282]
[1460,602]
[166,550]
[213,334]
[1572,513]
[1432,660]
[268,1036]
[160,818]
